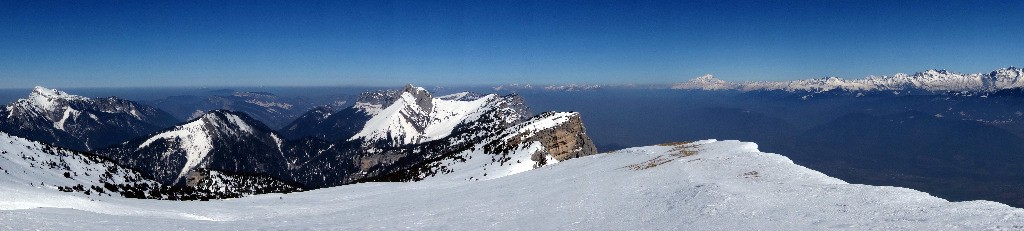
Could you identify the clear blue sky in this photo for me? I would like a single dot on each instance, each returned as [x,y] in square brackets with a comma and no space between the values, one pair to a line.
[287,43]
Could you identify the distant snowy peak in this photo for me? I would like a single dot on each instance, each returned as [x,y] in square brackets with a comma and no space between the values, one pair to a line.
[462,96]
[929,81]
[706,82]
[562,88]
[572,87]
[414,116]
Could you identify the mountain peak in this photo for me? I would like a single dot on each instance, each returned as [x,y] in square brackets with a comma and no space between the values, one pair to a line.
[47,98]
[231,121]
[705,82]
[706,78]
[413,89]
[421,97]
[52,93]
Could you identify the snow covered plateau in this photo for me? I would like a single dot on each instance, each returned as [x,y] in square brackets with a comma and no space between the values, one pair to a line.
[704,185]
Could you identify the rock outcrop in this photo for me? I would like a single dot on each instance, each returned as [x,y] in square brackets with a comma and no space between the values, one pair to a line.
[561,142]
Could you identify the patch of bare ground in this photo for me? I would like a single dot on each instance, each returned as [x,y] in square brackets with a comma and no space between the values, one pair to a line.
[679,150]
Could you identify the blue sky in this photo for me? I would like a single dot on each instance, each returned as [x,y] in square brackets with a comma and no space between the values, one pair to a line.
[384,43]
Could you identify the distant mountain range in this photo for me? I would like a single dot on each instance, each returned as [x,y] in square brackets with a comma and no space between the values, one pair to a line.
[274,111]
[927,81]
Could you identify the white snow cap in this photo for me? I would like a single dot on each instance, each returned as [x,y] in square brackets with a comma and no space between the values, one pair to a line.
[47,99]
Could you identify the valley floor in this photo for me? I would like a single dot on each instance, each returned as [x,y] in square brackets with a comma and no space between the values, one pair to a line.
[706,185]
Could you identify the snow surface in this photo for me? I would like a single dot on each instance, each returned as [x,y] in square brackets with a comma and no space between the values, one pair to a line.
[706,185]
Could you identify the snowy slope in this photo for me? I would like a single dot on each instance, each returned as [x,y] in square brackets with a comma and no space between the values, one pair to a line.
[30,164]
[706,185]
[929,80]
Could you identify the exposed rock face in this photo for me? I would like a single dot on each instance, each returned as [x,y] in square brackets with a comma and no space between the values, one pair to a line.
[372,102]
[566,141]
[562,136]
[423,98]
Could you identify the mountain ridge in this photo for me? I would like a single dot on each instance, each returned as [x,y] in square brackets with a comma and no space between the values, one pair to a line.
[79,122]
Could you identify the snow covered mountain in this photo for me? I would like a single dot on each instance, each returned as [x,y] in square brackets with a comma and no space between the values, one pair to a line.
[704,185]
[79,122]
[416,117]
[220,140]
[391,118]
[926,81]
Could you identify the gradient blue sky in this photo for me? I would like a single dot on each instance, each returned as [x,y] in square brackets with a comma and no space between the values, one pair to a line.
[385,43]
